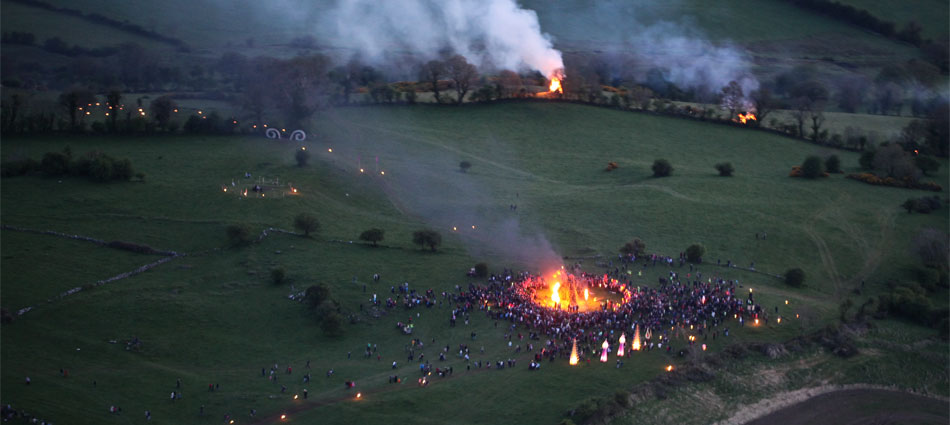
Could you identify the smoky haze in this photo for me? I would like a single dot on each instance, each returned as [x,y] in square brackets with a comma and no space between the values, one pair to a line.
[492,34]
[430,187]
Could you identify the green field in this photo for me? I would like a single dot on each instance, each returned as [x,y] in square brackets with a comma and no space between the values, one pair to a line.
[212,316]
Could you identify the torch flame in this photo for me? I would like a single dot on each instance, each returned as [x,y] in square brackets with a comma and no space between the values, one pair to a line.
[554,295]
[574,353]
[603,355]
[623,341]
[636,338]
[746,117]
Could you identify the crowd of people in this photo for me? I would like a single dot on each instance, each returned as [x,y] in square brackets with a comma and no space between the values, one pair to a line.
[679,306]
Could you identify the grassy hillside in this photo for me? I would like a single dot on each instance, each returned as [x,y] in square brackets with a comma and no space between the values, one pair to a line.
[931,15]
[213,316]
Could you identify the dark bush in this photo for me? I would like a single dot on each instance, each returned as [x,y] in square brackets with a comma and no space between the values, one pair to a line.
[725,169]
[373,235]
[481,270]
[317,295]
[464,166]
[635,247]
[662,168]
[795,277]
[694,253]
[20,167]
[6,316]
[278,275]
[239,234]
[427,238]
[833,164]
[331,322]
[55,164]
[302,157]
[306,223]
[102,169]
[812,167]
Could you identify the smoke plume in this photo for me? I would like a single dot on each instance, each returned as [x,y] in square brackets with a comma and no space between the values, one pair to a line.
[492,34]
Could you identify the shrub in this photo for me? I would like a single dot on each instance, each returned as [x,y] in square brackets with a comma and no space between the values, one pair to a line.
[481,270]
[890,181]
[239,234]
[316,295]
[695,252]
[812,167]
[19,167]
[277,275]
[6,316]
[331,322]
[930,244]
[464,166]
[927,164]
[725,169]
[55,164]
[833,164]
[662,168]
[795,277]
[306,223]
[635,247]
[429,238]
[302,157]
[101,169]
[373,235]
[866,161]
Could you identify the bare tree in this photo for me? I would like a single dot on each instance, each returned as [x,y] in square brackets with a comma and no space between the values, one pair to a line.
[76,102]
[817,119]
[510,83]
[764,103]
[931,245]
[463,74]
[732,98]
[430,73]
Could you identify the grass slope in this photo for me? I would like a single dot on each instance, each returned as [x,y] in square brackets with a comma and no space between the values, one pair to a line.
[213,316]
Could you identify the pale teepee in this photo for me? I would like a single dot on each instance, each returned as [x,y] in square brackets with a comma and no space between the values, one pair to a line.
[574,353]
[636,338]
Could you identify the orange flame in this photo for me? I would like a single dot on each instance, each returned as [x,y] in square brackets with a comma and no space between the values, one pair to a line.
[636,338]
[743,118]
[574,353]
[669,368]
[555,86]
[586,294]
[554,295]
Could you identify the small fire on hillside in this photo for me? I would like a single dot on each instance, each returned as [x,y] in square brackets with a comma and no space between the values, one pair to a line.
[554,86]
[745,118]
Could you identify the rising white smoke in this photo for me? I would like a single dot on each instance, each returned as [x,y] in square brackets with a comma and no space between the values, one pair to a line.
[492,34]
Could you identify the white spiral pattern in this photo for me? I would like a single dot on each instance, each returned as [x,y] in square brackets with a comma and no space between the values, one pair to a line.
[298,136]
[272,133]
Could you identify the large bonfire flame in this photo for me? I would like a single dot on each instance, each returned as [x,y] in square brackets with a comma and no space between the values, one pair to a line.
[574,353]
[554,295]
[743,118]
[555,86]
